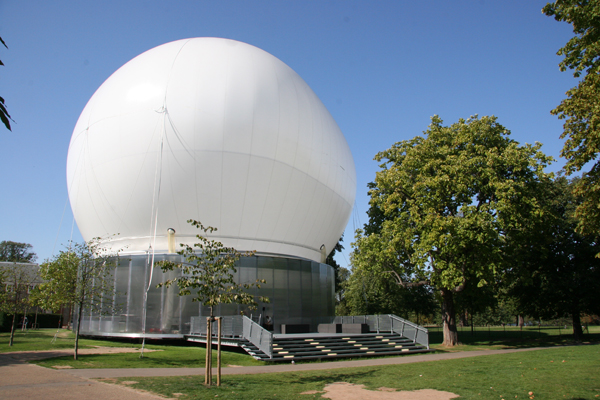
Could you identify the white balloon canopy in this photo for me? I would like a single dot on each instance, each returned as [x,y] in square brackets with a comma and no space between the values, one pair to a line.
[217,131]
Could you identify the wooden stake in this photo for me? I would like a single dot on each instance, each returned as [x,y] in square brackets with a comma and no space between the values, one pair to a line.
[208,350]
[210,357]
[219,351]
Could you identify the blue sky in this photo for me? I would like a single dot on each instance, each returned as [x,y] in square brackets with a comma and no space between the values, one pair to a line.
[382,68]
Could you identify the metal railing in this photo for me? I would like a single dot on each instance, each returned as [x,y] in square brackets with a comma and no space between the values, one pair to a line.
[258,336]
[389,323]
[238,326]
[231,326]
[410,330]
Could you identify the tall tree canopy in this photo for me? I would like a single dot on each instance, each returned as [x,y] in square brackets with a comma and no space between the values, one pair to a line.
[580,109]
[555,272]
[443,204]
[16,252]
[4,115]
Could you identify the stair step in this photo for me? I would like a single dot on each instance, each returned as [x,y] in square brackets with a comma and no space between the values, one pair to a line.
[278,342]
[338,346]
[343,355]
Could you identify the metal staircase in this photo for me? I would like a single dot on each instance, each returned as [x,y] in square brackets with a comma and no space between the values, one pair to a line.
[316,346]
[386,335]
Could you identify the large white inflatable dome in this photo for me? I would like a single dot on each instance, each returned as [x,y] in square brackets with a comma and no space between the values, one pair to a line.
[217,131]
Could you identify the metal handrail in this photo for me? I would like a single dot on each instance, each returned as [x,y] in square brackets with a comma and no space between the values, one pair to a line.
[421,334]
[243,327]
[389,322]
[231,328]
[237,326]
[258,336]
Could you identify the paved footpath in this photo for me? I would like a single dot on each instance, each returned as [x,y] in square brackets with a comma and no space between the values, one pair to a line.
[287,367]
[21,380]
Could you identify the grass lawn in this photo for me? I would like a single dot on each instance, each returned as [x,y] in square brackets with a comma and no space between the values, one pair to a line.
[41,339]
[165,357]
[564,372]
[486,338]
[193,356]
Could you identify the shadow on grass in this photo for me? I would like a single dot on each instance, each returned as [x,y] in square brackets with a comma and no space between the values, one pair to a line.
[332,377]
[290,379]
[509,339]
[128,360]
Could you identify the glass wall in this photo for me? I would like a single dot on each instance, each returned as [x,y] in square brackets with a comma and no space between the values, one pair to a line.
[299,291]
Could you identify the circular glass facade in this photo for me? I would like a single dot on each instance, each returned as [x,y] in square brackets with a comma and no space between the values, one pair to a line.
[300,292]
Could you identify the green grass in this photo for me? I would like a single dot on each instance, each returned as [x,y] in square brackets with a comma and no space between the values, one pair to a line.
[166,357]
[36,340]
[492,338]
[503,376]
[193,356]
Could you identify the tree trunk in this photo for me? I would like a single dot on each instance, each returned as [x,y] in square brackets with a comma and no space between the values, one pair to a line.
[23,321]
[464,318]
[75,351]
[12,329]
[449,319]
[472,325]
[577,328]
[70,317]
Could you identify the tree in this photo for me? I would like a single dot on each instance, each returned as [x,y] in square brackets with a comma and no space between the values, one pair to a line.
[81,276]
[341,308]
[580,109]
[59,281]
[208,275]
[443,205]
[341,274]
[16,252]
[559,273]
[475,299]
[4,115]
[16,281]
[368,292]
